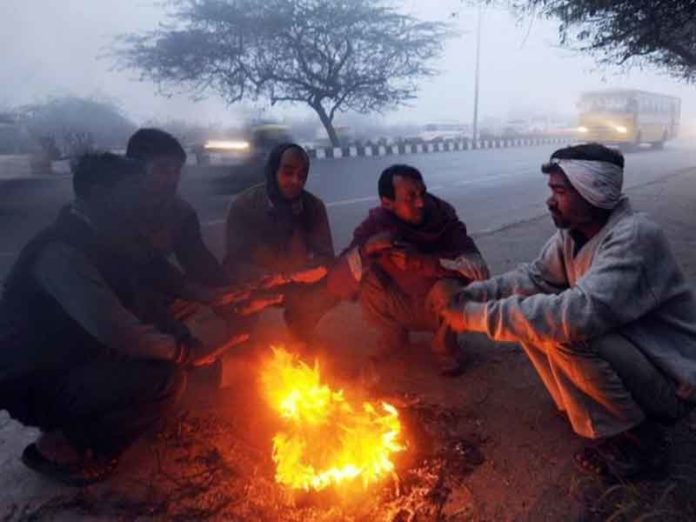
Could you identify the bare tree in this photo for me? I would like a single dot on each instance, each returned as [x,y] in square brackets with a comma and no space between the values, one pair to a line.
[333,55]
[661,33]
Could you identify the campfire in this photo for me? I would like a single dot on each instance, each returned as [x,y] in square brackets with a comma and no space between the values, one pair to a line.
[327,438]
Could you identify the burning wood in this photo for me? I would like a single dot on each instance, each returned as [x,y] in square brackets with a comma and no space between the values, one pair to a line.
[326,440]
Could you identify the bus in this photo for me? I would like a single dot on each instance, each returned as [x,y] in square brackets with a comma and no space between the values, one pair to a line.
[628,117]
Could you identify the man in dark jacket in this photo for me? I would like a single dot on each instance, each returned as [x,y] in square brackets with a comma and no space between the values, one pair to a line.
[171,225]
[76,358]
[278,233]
[398,252]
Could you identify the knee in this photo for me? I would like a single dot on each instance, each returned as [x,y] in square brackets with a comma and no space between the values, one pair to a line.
[374,305]
[372,291]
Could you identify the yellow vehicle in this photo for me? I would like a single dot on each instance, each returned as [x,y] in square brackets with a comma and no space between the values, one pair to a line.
[628,117]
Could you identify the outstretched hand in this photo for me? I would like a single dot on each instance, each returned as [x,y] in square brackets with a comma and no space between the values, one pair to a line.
[232,296]
[454,318]
[311,275]
[202,355]
[258,304]
[472,267]
[379,243]
[442,294]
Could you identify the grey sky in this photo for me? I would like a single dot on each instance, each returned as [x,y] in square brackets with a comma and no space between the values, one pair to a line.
[52,47]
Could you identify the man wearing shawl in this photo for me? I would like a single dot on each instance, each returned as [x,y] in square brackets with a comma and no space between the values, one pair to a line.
[278,235]
[604,314]
[398,252]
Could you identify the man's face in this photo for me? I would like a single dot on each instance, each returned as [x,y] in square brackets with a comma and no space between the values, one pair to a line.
[164,173]
[122,209]
[409,200]
[567,207]
[291,175]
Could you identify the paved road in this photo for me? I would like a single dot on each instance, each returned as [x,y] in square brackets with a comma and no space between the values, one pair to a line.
[489,188]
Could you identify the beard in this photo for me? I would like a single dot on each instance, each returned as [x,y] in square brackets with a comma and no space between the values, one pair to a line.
[559,221]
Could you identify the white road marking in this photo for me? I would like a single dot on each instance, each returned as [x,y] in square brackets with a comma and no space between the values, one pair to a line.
[345,202]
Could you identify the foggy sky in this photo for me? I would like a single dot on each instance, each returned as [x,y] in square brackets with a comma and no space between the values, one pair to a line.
[53,47]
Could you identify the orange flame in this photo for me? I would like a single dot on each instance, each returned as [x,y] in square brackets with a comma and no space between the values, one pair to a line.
[326,440]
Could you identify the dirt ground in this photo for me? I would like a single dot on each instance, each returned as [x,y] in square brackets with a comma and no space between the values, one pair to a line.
[487,446]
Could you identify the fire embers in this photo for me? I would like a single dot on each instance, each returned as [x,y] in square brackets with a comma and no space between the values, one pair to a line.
[326,439]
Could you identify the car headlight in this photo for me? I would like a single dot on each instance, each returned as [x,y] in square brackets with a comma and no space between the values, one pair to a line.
[621,129]
[226,145]
[582,130]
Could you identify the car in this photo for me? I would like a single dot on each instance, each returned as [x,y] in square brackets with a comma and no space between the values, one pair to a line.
[444,131]
[239,163]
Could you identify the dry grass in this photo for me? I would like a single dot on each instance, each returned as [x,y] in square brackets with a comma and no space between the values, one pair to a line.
[670,499]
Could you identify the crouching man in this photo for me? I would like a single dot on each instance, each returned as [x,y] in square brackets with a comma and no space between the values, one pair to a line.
[398,252]
[76,359]
[604,314]
[278,237]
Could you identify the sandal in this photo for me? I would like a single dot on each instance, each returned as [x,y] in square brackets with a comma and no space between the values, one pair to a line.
[88,471]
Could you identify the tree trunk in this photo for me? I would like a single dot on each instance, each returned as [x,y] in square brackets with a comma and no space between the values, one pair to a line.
[328,125]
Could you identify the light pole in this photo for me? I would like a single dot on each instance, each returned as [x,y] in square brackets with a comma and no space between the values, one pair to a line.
[474,134]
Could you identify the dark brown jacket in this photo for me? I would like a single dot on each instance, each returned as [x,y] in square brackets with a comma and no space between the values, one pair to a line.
[261,241]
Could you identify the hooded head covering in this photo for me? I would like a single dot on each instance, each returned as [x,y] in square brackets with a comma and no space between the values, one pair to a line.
[594,170]
[289,211]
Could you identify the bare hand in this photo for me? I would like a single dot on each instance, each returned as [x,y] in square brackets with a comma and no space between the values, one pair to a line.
[205,356]
[273,281]
[442,293]
[473,268]
[311,275]
[400,258]
[232,296]
[258,304]
[454,318]
[379,243]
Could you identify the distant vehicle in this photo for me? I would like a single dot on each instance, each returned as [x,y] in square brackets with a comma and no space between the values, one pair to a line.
[265,137]
[222,152]
[517,128]
[244,159]
[628,117]
[444,131]
[254,145]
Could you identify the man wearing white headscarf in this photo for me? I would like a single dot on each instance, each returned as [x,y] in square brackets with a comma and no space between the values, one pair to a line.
[605,315]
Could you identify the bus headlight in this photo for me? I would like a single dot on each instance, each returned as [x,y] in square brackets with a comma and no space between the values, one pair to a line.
[582,130]
[621,129]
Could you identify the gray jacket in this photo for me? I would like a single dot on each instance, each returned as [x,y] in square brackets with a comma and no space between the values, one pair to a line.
[626,278]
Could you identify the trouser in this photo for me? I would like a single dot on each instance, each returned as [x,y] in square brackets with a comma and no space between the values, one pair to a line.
[304,306]
[394,314]
[103,405]
[606,386]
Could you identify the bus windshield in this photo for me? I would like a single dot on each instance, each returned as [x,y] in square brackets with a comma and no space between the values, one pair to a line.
[607,103]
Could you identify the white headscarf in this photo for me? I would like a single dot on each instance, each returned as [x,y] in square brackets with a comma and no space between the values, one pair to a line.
[598,182]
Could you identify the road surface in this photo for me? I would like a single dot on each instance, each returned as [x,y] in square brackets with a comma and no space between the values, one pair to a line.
[490,188]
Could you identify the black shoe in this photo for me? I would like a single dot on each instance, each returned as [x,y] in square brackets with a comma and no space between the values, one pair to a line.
[88,471]
[638,454]
[453,368]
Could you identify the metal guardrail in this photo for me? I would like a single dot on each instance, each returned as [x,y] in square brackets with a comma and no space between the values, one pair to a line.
[354,151]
